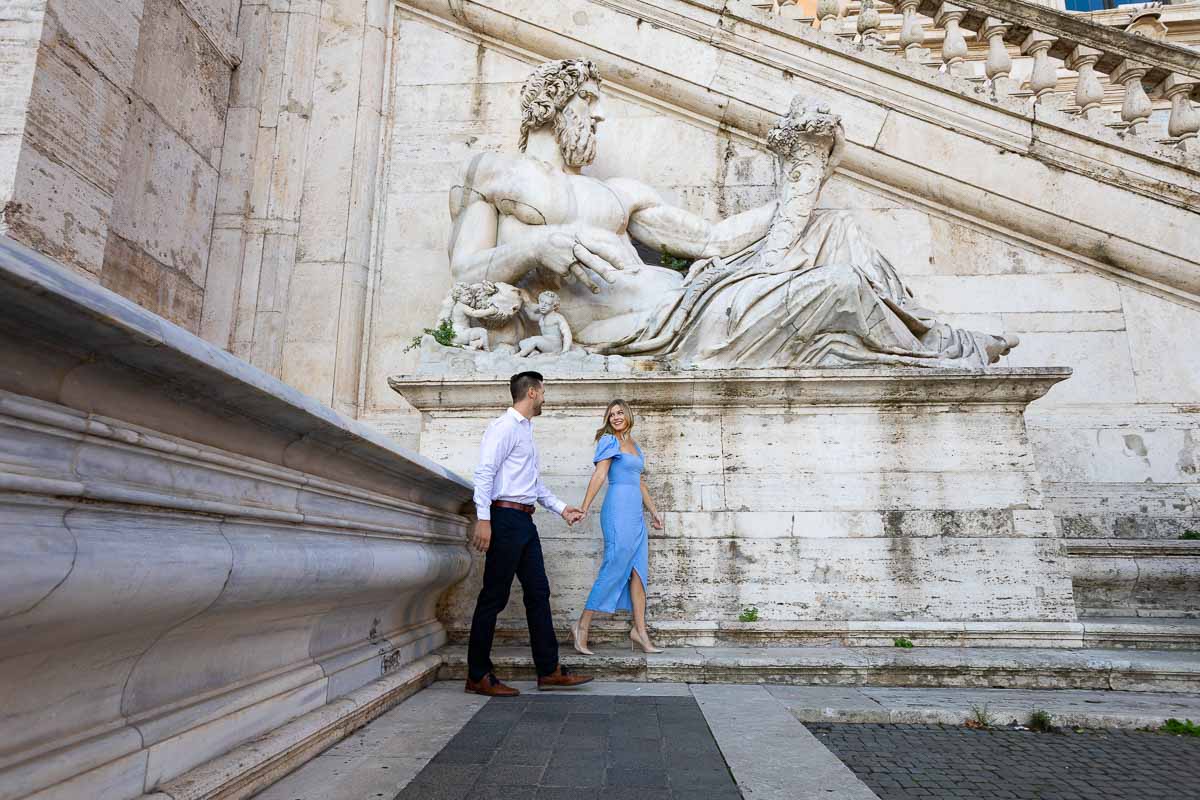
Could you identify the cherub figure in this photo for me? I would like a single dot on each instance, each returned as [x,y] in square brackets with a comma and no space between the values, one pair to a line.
[463,306]
[556,333]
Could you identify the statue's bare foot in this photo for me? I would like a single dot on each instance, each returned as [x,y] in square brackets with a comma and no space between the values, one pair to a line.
[1001,346]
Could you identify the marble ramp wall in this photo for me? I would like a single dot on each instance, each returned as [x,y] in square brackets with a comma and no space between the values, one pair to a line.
[191,552]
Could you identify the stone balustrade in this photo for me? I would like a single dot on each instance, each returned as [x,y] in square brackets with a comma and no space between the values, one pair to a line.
[1078,66]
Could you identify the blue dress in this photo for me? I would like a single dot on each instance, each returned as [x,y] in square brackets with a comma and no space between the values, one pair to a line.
[624,528]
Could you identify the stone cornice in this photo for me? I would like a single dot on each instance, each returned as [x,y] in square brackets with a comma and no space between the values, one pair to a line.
[753,389]
[213,478]
[220,400]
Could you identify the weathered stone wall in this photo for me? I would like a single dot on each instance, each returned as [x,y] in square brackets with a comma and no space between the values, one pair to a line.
[1116,444]
[213,160]
[293,239]
[836,502]
[115,116]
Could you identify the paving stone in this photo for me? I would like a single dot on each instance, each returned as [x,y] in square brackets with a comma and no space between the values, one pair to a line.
[581,748]
[501,793]
[451,773]
[556,793]
[636,793]
[510,775]
[617,776]
[579,774]
[919,761]
[433,791]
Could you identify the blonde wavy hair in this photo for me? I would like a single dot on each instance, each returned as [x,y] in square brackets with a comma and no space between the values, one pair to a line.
[548,90]
[607,426]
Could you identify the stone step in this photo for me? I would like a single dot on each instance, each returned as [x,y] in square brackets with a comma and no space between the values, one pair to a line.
[1143,633]
[1149,633]
[973,667]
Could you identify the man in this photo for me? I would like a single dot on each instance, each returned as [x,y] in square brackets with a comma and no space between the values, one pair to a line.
[506,485]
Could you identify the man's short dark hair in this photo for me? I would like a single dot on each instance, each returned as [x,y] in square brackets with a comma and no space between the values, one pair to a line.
[522,382]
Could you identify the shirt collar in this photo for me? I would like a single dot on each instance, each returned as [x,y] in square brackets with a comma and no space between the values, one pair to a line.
[517,415]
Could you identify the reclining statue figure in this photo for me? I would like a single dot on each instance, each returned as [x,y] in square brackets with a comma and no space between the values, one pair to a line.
[781,285]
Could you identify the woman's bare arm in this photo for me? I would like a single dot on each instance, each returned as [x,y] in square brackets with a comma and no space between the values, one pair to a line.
[647,501]
[598,478]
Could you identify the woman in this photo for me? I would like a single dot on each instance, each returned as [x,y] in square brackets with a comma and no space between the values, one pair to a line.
[621,584]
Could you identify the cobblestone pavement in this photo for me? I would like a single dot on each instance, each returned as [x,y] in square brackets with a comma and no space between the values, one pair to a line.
[538,747]
[906,762]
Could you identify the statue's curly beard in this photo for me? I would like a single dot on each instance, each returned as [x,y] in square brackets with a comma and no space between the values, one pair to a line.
[576,140]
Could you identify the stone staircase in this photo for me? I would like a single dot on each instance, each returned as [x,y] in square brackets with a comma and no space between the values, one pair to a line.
[979,667]
[1111,632]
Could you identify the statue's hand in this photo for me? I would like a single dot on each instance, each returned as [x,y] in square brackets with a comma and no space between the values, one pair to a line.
[567,252]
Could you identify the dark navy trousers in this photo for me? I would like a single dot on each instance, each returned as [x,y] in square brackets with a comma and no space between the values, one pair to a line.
[515,550]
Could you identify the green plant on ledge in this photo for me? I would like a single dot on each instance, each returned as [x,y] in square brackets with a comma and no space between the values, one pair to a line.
[443,334]
[901,642]
[749,615]
[1039,720]
[1177,728]
[979,717]
[1190,535]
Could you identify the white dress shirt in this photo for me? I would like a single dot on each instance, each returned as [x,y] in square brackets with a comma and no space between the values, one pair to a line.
[508,467]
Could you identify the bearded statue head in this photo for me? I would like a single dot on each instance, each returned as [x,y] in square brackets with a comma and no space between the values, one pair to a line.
[546,98]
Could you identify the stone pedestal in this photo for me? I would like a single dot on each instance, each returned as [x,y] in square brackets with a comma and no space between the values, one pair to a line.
[847,506]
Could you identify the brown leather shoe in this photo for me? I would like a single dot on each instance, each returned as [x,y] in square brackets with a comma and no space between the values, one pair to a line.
[491,686]
[561,678]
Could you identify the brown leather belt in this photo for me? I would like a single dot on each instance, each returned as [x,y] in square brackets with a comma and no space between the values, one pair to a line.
[514,506]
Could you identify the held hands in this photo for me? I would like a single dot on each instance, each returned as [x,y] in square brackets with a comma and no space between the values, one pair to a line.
[481,537]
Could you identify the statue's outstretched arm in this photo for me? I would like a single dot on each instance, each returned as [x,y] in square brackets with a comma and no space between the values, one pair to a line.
[682,233]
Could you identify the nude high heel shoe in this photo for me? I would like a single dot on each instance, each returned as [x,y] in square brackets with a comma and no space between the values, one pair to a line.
[575,640]
[645,647]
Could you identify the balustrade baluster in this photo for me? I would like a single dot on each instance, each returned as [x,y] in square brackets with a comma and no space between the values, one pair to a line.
[1184,122]
[868,24]
[999,63]
[1045,73]
[1089,92]
[828,12]
[1136,108]
[912,33]
[954,45]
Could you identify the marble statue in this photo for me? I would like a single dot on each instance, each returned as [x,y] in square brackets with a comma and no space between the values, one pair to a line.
[460,309]
[486,302]
[555,336]
[781,285]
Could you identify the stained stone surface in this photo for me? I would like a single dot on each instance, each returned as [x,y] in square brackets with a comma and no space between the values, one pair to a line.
[843,496]
[582,747]
[900,762]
